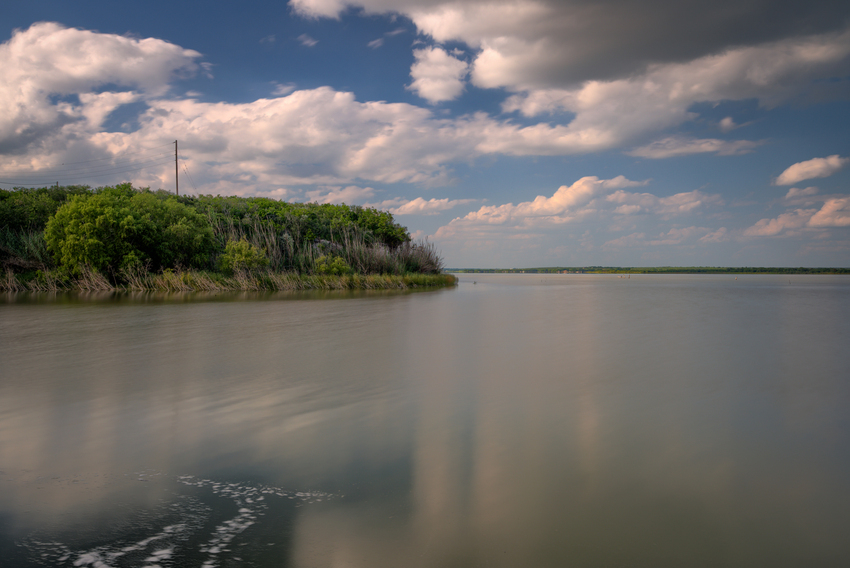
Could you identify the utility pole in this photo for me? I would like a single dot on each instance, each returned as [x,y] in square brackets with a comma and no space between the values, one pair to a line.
[176,180]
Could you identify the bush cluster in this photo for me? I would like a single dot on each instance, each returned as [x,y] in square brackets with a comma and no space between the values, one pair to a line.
[120,230]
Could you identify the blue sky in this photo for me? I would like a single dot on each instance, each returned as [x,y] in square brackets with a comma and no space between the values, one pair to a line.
[511,133]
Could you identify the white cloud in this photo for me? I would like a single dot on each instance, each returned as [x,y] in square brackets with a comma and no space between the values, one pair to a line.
[679,146]
[688,236]
[717,236]
[589,197]
[538,44]
[350,195]
[728,124]
[620,110]
[376,43]
[319,136]
[792,220]
[796,192]
[420,206]
[814,168]
[678,236]
[623,74]
[48,60]
[629,203]
[834,213]
[632,240]
[437,76]
[306,40]
[281,89]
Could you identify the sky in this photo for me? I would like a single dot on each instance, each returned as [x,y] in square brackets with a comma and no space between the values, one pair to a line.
[509,133]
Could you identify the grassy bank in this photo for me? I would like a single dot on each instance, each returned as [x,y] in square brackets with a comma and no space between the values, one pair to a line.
[201,281]
[125,238]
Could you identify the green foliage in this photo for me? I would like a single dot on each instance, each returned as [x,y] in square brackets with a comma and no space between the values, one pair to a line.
[241,255]
[25,209]
[304,222]
[121,230]
[118,227]
[23,249]
[332,265]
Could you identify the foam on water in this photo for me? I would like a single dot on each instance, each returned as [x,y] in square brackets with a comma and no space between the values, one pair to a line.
[158,550]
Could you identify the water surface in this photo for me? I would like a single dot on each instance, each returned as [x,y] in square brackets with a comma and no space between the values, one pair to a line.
[516,420]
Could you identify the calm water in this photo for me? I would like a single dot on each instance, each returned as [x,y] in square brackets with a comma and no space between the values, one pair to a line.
[524,420]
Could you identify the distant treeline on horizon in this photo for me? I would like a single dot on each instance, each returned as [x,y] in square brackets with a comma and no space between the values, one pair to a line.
[655,270]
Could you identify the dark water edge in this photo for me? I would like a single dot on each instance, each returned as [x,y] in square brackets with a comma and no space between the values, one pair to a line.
[530,420]
[156,297]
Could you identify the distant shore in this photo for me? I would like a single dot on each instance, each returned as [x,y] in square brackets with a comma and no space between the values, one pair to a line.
[652,270]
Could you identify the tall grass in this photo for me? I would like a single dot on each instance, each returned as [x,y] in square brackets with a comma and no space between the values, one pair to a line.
[23,249]
[138,279]
[286,253]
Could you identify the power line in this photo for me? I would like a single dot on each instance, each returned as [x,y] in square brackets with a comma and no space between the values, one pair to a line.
[154,148]
[126,162]
[95,174]
[185,169]
[61,169]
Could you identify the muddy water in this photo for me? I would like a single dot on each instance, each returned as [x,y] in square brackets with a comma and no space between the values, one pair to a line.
[520,420]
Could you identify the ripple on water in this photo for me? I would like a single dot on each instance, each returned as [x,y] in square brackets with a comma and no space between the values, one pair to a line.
[176,529]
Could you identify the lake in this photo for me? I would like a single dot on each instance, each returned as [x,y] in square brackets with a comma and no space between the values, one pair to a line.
[515,420]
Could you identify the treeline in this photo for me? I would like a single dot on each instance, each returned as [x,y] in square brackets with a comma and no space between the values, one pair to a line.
[122,234]
[656,270]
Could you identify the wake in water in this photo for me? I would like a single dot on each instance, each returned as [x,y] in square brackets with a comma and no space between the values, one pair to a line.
[187,531]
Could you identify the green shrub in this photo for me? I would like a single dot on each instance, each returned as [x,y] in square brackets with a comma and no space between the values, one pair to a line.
[26,209]
[119,227]
[332,265]
[240,256]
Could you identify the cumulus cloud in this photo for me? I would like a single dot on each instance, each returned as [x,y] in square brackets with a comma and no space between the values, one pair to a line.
[281,89]
[317,137]
[796,192]
[834,213]
[814,168]
[676,236]
[49,75]
[537,44]
[306,40]
[420,206]
[636,106]
[627,69]
[678,146]
[717,236]
[587,198]
[629,203]
[437,76]
[796,219]
[350,195]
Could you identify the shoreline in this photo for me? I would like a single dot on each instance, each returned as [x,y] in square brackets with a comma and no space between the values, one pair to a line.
[197,281]
[653,270]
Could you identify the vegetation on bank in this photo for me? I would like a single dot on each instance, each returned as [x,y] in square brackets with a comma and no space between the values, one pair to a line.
[655,270]
[62,238]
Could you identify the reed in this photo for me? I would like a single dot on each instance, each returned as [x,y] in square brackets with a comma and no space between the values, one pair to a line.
[9,282]
[137,279]
[24,249]
[91,280]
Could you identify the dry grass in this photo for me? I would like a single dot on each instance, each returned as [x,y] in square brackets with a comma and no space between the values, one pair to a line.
[140,280]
